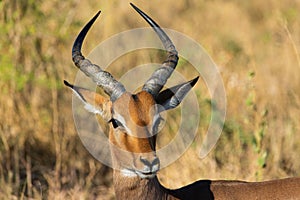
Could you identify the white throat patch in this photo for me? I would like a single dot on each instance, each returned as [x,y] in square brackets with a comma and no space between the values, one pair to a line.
[122,120]
[128,173]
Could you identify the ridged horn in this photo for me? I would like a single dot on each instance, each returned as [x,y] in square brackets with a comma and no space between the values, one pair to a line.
[102,78]
[160,76]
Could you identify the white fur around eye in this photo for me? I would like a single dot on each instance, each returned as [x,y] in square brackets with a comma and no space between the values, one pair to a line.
[121,119]
[155,118]
[158,124]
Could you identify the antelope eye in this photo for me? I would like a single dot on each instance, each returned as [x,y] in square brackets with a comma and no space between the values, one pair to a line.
[116,123]
[158,124]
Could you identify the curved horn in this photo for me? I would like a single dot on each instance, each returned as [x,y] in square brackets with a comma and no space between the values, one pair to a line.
[160,76]
[102,78]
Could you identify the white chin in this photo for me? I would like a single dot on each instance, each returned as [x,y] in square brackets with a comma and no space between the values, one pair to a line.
[133,173]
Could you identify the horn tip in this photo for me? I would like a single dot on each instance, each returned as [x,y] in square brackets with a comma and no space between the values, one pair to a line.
[132,5]
[140,12]
[98,13]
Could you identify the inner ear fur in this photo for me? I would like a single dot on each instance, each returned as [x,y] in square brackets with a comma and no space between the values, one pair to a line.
[93,101]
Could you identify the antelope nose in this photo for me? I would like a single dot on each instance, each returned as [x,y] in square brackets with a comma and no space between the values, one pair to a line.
[153,163]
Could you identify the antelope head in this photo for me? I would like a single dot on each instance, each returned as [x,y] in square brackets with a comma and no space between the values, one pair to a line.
[133,118]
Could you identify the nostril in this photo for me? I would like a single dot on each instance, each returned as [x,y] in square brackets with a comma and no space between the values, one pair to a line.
[145,161]
[150,166]
[155,161]
[149,162]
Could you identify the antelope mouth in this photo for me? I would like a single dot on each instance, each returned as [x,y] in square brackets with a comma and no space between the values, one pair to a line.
[148,175]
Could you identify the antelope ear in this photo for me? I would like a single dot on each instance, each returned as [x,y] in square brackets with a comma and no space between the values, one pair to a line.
[93,102]
[172,97]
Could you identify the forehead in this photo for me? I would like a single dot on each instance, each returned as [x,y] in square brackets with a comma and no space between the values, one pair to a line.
[140,107]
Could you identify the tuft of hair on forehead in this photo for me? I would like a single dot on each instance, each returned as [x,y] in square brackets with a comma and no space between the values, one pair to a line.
[144,98]
[140,106]
[137,109]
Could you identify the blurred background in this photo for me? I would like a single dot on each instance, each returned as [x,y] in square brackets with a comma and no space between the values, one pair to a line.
[255,45]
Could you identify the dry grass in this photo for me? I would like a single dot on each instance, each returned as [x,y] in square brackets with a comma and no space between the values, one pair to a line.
[255,45]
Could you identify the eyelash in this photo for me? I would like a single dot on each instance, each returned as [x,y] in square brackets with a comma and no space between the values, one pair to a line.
[116,123]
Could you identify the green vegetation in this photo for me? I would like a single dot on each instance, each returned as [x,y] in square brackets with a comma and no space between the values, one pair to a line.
[255,44]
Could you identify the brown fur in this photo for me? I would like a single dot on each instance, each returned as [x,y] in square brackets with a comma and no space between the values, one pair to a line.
[138,112]
[151,189]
